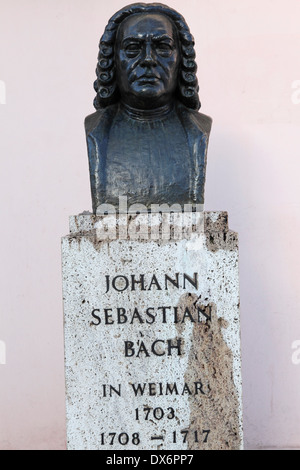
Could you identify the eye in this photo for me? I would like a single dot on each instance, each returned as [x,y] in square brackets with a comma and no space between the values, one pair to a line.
[164,49]
[133,49]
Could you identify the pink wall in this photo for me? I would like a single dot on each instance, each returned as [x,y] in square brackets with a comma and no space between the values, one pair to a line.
[248,57]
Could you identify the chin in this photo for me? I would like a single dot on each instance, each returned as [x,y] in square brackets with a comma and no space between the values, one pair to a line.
[150,97]
[149,89]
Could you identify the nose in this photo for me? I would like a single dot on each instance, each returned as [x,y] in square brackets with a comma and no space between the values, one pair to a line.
[148,58]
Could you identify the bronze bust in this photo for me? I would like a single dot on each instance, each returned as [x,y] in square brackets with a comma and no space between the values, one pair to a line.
[147,140]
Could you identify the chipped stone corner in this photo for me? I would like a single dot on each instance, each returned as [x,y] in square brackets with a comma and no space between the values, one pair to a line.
[217,233]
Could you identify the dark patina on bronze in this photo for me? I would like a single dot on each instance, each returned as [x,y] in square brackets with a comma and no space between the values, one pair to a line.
[147,139]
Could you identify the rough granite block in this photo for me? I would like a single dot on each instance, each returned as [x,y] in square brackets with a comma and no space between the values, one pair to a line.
[152,336]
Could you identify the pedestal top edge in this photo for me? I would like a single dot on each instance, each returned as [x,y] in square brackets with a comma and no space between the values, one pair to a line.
[210,221]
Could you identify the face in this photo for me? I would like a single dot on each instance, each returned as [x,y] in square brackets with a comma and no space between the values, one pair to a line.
[147,60]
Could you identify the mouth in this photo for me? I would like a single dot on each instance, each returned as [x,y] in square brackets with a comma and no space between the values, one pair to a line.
[148,79]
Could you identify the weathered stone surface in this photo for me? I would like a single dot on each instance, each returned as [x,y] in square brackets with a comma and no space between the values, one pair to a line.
[152,337]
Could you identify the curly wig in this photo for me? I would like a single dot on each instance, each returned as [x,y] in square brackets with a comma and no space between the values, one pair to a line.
[105,84]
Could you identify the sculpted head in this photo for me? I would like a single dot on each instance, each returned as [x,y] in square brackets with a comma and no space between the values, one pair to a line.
[146,59]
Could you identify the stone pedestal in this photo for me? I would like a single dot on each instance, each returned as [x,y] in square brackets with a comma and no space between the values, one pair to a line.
[152,332]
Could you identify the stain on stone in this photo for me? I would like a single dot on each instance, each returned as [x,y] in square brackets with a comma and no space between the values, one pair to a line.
[226,240]
[214,415]
[216,221]
[217,234]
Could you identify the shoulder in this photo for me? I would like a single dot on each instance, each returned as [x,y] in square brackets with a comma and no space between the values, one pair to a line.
[203,121]
[101,118]
[192,118]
